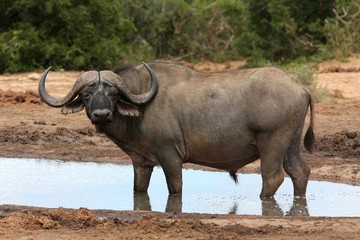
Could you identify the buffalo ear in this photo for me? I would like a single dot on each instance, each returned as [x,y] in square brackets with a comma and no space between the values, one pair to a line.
[73,107]
[128,109]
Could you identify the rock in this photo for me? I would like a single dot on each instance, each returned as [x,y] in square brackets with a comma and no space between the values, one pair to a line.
[351,135]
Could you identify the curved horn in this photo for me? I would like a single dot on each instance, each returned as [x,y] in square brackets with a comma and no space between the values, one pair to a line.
[119,83]
[147,96]
[79,84]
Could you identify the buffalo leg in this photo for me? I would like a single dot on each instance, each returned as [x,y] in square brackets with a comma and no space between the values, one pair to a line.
[295,165]
[173,172]
[142,177]
[272,176]
[272,148]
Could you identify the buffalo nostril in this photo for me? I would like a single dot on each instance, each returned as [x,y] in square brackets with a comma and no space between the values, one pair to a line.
[97,114]
[102,114]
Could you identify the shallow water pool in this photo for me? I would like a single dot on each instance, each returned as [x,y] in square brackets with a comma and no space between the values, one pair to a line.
[51,183]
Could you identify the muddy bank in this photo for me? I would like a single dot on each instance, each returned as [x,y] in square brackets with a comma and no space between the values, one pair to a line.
[39,223]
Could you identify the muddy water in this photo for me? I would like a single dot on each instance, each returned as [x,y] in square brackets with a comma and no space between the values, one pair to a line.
[50,183]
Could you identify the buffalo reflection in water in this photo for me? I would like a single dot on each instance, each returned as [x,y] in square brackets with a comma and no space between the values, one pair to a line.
[270,207]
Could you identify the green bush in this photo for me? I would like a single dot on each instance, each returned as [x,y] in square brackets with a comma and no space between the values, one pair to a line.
[283,30]
[98,34]
[68,34]
[304,75]
[343,30]
[189,30]
[21,49]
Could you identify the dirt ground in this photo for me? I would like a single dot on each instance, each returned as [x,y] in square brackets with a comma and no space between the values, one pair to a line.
[29,128]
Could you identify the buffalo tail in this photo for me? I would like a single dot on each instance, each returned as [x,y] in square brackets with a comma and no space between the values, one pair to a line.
[309,140]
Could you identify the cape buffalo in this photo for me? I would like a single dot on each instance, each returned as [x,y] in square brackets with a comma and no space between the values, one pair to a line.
[168,114]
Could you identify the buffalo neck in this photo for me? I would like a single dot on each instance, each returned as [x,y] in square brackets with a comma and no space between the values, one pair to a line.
[122,132]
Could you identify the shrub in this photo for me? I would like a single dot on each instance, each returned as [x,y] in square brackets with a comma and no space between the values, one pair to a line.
[343,30]
[304,75]
[68,34]
[88,34]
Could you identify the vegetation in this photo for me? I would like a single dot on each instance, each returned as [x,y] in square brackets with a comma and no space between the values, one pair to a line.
[304,75]
[97,34]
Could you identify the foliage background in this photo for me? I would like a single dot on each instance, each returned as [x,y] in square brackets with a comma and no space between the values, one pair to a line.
[98,34]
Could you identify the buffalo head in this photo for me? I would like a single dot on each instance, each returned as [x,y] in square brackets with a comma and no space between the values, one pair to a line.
[103,94]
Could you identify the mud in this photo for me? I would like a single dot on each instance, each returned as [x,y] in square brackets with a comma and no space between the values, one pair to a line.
[35,223]
[29,128]
[344,144]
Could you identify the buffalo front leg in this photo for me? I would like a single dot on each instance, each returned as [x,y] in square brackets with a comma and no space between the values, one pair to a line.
[142,177]
[173,172]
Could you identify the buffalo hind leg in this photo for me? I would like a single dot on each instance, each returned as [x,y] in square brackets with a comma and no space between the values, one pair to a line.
[272,148]
[295,165]
[272,177]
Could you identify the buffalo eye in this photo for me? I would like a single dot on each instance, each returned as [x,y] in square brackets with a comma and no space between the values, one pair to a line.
[87,95]
[112,93]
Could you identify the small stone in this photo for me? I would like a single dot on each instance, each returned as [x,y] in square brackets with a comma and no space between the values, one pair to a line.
[351,135]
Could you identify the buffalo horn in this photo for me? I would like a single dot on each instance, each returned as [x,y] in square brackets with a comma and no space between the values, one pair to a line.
[79,84]
[119,83]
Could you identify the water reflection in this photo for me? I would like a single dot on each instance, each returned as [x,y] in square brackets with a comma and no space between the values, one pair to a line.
[174,203]
[142,202]
[299,207]
[50,183]
[269,206]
